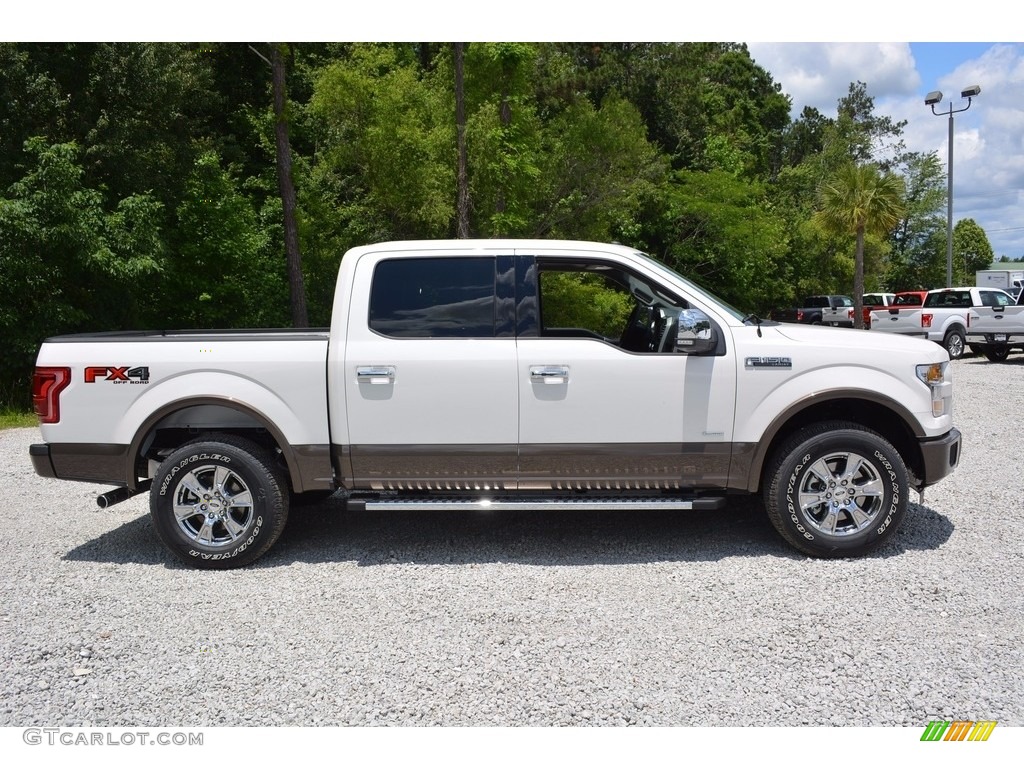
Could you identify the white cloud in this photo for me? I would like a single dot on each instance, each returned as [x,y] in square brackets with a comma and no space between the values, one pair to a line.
[819,74]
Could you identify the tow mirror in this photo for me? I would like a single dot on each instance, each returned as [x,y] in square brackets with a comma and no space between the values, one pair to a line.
[695,335]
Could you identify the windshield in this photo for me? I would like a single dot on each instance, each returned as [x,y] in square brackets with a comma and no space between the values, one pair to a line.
[712,298]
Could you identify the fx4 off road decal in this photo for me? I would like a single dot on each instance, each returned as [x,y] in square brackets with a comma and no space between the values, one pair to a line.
[124,374]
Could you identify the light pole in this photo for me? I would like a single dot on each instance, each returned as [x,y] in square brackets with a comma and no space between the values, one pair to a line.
[931,100]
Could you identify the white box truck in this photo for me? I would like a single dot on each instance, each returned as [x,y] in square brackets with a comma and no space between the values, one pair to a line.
[1009,280]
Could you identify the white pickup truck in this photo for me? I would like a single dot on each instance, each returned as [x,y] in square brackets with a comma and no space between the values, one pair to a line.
[501,374]
[945,316]
[995,330]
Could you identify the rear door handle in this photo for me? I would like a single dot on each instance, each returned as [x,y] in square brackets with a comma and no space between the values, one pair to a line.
[549,374]
[375,374]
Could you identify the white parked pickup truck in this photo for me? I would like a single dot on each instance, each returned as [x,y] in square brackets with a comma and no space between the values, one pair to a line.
[501,374]
[944,317]
[995,330]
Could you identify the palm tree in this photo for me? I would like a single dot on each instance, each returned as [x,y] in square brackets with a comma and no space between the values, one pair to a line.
[860,200]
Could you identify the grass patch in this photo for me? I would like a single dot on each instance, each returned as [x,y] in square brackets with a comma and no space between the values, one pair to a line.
[10,419]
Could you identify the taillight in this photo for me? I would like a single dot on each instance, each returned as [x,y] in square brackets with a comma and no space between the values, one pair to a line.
[799,315]
[47,384]
[926,320]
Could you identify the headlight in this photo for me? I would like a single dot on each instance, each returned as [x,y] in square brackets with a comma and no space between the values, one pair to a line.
[933,373]
[936,376]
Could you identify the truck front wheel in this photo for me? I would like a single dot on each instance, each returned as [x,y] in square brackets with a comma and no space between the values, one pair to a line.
[836,489]
[219,502]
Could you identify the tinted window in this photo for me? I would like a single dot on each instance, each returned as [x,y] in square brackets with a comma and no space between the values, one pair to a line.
[433,298]
[956,299]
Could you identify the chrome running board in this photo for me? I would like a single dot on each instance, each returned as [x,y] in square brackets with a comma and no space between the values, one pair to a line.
[526,504]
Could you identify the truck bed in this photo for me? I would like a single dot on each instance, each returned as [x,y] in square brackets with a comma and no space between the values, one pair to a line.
[120,384]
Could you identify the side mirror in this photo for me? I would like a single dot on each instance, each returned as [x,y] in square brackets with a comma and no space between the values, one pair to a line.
[695,334]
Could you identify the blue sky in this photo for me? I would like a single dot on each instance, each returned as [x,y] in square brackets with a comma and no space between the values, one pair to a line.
[933,60]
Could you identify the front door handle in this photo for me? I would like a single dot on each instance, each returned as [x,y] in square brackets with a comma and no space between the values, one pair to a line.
[375,374]
[549,374]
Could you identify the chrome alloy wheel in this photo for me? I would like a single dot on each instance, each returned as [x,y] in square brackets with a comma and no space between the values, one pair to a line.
[841,494]
[212,505]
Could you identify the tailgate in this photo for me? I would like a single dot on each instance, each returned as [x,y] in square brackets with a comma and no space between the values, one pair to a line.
[898,320]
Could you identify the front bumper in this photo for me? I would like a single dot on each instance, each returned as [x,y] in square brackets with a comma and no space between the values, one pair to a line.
[940,457]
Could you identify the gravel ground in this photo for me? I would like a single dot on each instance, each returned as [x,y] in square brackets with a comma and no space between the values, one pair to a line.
[685,619]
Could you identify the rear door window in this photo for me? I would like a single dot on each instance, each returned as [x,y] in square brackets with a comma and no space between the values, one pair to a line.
[434,298]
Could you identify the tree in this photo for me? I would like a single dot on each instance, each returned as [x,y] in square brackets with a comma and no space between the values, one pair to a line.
[686,93]
[720,231]
[286,186]
[918,255]
[876,138]
[226,272]
[461,177]
[594,166]
[384,162]
[971,251]
[860,200]
[66,264]
[505,131]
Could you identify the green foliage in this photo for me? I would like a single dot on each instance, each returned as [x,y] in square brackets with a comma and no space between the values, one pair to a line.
[871,137]
[33,105]
[386,141]
[66,264]
[918,259]
[503,135]
[15,419]
[224,274]
[596,166]
[145,105]
[971,251]
[505,179]
[582,300]
[858,198]
[723,233]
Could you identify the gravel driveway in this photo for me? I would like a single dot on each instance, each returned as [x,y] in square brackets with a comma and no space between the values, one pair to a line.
[685,619]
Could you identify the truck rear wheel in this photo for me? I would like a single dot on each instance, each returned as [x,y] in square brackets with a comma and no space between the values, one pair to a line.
[836,489]
[954,342]
[220,502]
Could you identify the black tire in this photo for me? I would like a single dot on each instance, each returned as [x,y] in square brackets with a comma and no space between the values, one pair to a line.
[997,354]
[807,490]
[954,343]
[237,496]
